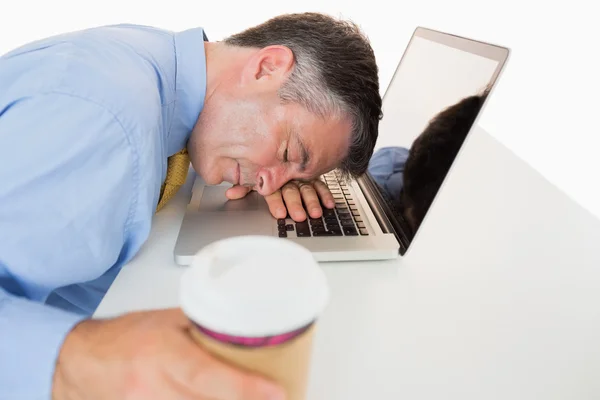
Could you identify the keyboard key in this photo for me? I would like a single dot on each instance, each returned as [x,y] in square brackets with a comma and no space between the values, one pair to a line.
[353,207]
[328,212]
[350,231]
[358,219]
[326,233]
[281,222]
[364,232]
[361,224]
[351,202]
[302,229]
[289,227]
[347,223]
[282,234]
[355,213]
[333,227]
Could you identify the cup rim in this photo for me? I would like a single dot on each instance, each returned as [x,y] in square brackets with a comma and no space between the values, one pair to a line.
[259,296]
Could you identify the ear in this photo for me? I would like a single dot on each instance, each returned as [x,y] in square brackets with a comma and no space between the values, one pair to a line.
[269,66]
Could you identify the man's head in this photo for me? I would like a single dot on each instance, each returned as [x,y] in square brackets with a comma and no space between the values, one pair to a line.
[292,98]
[431,156]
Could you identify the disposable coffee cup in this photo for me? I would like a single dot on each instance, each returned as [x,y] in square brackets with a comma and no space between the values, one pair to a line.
[254,302]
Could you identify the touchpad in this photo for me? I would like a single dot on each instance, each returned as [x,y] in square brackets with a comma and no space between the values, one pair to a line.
[214,199]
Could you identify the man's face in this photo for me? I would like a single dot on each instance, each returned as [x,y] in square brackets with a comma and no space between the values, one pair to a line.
[249,137]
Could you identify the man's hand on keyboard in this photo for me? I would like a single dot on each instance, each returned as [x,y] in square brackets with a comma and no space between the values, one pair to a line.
[314,194]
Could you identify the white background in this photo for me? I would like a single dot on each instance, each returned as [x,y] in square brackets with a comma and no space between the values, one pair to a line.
[546,104]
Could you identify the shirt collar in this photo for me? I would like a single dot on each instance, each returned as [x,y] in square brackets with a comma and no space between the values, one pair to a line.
[190,86]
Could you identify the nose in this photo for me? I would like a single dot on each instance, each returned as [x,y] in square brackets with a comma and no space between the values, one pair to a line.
[268,181]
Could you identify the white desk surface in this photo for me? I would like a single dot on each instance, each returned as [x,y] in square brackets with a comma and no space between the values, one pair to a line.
[498,299]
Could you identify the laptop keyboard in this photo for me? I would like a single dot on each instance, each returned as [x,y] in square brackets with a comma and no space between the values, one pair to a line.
[344,220]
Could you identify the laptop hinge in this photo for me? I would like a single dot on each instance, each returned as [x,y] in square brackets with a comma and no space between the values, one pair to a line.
[388,221]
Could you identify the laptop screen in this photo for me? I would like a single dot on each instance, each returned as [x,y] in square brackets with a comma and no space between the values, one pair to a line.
[433,99]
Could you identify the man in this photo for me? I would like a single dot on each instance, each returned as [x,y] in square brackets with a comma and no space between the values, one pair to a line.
[413,177]
[95,130]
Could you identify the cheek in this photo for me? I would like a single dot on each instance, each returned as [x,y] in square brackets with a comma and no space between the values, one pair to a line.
[262,151]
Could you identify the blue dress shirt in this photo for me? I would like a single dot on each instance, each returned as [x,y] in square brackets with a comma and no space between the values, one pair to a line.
[87,121]
[387,169]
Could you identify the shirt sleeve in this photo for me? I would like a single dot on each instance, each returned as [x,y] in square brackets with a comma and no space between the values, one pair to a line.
[387,169]
[66,194]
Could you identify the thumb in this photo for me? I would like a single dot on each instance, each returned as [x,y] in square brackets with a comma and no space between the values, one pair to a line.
[237,192]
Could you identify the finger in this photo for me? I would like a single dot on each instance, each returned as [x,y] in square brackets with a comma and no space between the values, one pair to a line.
[293,201]
[276,205]
[214,379]
[324,194]
[311,200]
[237,192]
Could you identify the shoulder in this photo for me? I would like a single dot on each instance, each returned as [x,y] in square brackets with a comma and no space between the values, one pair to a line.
[122,68]
[387,168]
[393,152]
[389,158]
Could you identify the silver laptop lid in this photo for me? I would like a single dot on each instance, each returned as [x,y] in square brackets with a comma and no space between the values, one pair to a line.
[442,77]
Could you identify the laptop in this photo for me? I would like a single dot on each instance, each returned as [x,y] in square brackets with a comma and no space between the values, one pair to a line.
[437,70]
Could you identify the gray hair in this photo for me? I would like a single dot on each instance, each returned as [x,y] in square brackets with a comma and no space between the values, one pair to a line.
[334,74]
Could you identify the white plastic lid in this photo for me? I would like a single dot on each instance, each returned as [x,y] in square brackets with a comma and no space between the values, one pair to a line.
[253,286]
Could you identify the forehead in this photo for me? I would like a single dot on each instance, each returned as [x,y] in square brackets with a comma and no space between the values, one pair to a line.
[326,139]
